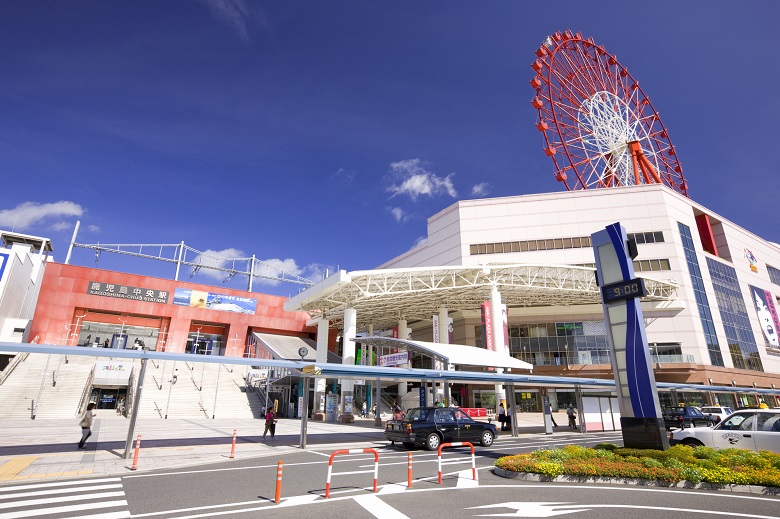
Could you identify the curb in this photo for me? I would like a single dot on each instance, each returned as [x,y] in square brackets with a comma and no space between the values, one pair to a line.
[744,489]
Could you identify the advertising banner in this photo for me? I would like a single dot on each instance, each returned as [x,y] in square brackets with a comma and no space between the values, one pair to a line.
[766,311]
[147,295]
[487,327]
[451,330]
[505,324]
[212,301]
[422,395]
[396,359]
[112,373]
[435,328]
[330,403]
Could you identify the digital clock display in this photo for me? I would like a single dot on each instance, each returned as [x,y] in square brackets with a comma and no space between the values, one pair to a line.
[623,290]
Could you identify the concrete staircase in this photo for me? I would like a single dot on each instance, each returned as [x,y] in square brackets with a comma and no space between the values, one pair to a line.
[21,387]
[187,401]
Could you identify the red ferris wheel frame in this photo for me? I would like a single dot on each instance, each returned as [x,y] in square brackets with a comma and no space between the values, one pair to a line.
[599,127]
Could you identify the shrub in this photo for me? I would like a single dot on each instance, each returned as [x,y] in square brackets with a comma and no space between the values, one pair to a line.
[606,446]
[736,466]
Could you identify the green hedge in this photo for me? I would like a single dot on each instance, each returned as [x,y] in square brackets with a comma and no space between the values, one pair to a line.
[680,463]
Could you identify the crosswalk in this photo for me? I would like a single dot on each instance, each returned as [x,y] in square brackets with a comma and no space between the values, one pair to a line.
[90,498]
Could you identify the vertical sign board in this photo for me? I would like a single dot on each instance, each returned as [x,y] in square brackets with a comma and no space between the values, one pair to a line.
[640,411]
[423,390]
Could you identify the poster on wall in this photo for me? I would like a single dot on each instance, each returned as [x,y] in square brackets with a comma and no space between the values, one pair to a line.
[212,301]
[766,311]
[435,328]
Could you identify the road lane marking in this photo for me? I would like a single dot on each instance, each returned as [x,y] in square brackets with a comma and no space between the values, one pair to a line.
[466,479]
[62,499]
[56,484]
[378,508]
[51,491]
[106,515]
[62,509]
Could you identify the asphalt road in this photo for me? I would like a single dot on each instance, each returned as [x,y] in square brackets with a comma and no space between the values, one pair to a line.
[246,489]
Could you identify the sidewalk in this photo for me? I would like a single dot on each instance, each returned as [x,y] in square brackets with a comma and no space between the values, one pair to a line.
[47,449]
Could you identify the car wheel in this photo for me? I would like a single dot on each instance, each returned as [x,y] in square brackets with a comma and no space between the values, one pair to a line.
[487,439]
[409,445]
[692,442]
[432,442]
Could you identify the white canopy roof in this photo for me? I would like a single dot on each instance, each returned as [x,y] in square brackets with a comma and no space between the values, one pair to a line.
[453,354]
[382,297]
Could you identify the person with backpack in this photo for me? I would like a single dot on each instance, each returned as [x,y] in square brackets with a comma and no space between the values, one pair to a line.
[270,423]
[572,414]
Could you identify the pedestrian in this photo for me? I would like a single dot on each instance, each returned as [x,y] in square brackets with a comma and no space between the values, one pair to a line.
[86,425]
[270,423]
[105,344]
[572,414]
[175,376]
[365,409]
[502,416]
[549,406]
[373,410]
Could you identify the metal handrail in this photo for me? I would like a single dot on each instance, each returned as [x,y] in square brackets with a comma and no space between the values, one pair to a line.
[18,358]
[87,389]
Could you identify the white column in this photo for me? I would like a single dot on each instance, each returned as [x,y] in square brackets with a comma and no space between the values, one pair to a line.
[348,358]
[403,332]
[444,338]
[498,338]
[322,356]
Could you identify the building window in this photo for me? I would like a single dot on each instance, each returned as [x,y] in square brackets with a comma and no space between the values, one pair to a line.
[703,304]
[774,274]
[652,265]
[529,245]
[647,237]
[742,342]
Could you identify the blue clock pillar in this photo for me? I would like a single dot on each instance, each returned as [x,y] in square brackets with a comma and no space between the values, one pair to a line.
[640,411]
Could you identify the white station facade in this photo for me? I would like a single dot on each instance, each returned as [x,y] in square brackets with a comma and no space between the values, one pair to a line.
[711,309]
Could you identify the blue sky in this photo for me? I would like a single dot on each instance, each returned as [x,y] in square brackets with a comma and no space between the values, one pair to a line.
[323,134]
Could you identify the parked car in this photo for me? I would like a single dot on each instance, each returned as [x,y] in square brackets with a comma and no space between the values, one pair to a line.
[754,429]
[685,416]
[716,413]
[429,427]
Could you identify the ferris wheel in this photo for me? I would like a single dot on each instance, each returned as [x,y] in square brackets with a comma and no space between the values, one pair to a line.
[599,127]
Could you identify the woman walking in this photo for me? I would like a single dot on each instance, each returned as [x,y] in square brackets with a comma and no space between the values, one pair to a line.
[86,425]
[270,423]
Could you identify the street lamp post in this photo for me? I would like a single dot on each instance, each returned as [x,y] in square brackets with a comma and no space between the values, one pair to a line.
[303,351]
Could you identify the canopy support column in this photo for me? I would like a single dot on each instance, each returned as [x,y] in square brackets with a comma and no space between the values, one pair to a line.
[348,358]
[498,312]
[322,357]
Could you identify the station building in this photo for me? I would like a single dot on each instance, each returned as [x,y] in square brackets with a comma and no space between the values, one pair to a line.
[711,313]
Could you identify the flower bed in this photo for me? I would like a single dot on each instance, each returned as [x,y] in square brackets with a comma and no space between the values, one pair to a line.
[680,463]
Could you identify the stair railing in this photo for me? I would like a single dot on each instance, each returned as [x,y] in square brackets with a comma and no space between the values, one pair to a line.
[18,358]
[86,392]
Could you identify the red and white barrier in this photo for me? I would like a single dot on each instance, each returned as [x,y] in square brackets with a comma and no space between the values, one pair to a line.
[352,451]
[473,458]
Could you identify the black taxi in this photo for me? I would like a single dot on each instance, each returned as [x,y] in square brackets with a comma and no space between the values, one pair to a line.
[429,427]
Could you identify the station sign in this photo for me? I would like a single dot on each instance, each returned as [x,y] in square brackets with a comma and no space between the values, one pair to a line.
[396,359]
[147,295]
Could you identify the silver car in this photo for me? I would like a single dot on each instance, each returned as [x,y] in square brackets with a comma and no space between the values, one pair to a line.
[752,429]
[716,411]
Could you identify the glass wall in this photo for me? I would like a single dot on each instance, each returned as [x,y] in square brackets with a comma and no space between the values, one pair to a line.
[117,336]
[741,341]
[703,304]
[560,344]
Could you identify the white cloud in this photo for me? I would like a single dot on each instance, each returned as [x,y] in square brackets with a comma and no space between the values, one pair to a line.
[61,226]
[413,179]
[399,214]
[481,189]
[422,240]
[316,271]
[346,176]
[93,228]
[238,14]
[28,214]
[217,258]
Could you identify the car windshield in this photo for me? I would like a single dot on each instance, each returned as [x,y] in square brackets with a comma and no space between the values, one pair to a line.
[417,415]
